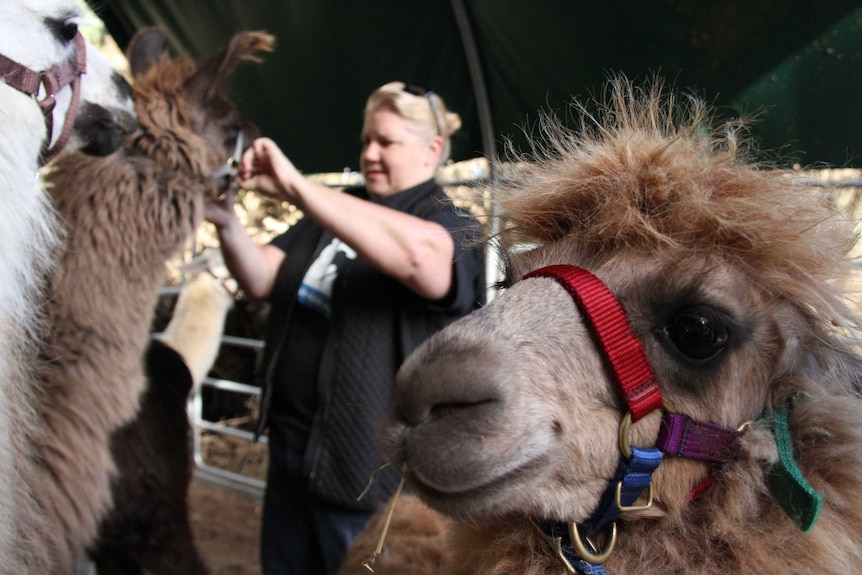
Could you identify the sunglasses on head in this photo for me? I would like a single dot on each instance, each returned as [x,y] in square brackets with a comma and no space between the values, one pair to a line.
[421,92]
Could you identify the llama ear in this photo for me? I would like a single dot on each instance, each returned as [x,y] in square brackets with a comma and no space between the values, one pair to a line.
[144,50]
[243,47]
[810,353]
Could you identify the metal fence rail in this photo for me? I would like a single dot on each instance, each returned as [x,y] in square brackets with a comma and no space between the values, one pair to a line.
[204,470]
[195,407]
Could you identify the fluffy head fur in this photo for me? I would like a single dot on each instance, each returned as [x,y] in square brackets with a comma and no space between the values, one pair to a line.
[730,274]
[648,172]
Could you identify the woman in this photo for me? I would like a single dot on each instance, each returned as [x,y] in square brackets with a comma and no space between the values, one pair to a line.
[355,286]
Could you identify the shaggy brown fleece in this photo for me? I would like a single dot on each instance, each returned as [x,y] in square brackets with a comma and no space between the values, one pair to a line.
[417,544]
[125,216]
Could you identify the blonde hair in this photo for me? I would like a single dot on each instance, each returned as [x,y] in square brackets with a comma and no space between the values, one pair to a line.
[425,110]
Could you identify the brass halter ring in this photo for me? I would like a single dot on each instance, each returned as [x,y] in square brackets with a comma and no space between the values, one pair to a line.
[591,555]
[626,449]
[579,545]
[625,427]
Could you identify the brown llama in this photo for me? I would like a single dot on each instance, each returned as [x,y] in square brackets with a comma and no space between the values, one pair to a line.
[148,529]
[670,302]
[125,216]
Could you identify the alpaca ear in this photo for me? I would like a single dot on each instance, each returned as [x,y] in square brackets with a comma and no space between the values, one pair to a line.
[144,50]
[810,353]
[211,75]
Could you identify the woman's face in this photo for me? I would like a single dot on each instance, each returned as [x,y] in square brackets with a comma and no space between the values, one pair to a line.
[395,156]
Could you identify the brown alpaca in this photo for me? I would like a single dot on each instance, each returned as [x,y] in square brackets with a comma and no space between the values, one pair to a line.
[414,541]
[125,216]
[730,275]
[148,529]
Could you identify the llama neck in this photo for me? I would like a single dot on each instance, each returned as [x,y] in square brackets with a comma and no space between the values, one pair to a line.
[28,240]
[123,224]
[29,236]
[102,298]
[509,547]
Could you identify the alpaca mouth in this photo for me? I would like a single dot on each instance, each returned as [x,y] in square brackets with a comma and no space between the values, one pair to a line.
[436,456]
[484,492]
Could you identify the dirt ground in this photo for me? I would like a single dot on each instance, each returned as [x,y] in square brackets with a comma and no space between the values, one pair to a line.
[226,527]
[225,522]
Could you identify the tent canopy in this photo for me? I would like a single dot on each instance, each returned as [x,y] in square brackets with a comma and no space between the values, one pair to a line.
[797,64]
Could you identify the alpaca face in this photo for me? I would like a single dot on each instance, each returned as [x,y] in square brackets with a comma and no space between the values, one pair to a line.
[512,410]
[39,34]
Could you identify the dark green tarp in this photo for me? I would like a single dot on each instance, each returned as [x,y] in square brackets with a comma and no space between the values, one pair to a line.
[798,62]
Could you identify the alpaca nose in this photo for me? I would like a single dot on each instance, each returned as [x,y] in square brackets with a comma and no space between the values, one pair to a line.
[447,381]
[103,129]
[441,388]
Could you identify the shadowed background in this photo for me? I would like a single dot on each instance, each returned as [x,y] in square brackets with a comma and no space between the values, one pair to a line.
[797,63]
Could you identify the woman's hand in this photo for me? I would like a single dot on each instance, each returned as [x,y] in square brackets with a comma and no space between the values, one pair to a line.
[265,169]
[220,212]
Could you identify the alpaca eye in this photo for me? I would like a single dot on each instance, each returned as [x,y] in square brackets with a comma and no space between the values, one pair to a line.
[69,31]
[64,30]
[699,333]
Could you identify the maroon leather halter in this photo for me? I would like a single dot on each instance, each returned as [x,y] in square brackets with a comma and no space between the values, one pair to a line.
[54,79]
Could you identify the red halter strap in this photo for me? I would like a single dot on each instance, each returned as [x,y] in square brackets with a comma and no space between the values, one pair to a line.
[621,346]
[54,79]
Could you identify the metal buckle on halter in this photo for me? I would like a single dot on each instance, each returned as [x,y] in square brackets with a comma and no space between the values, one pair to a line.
[46,104]
[591,555]
[578,552]
[626,450]
[632,478]
[29,82]
[618,494]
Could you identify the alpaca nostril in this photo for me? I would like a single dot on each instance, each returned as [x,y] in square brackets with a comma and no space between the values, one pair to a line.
[418,413]
[458,409]
[413,414]
[557,428]
[468,393]
[451,379]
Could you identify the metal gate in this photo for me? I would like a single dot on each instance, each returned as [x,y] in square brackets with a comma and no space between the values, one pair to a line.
[204,470]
